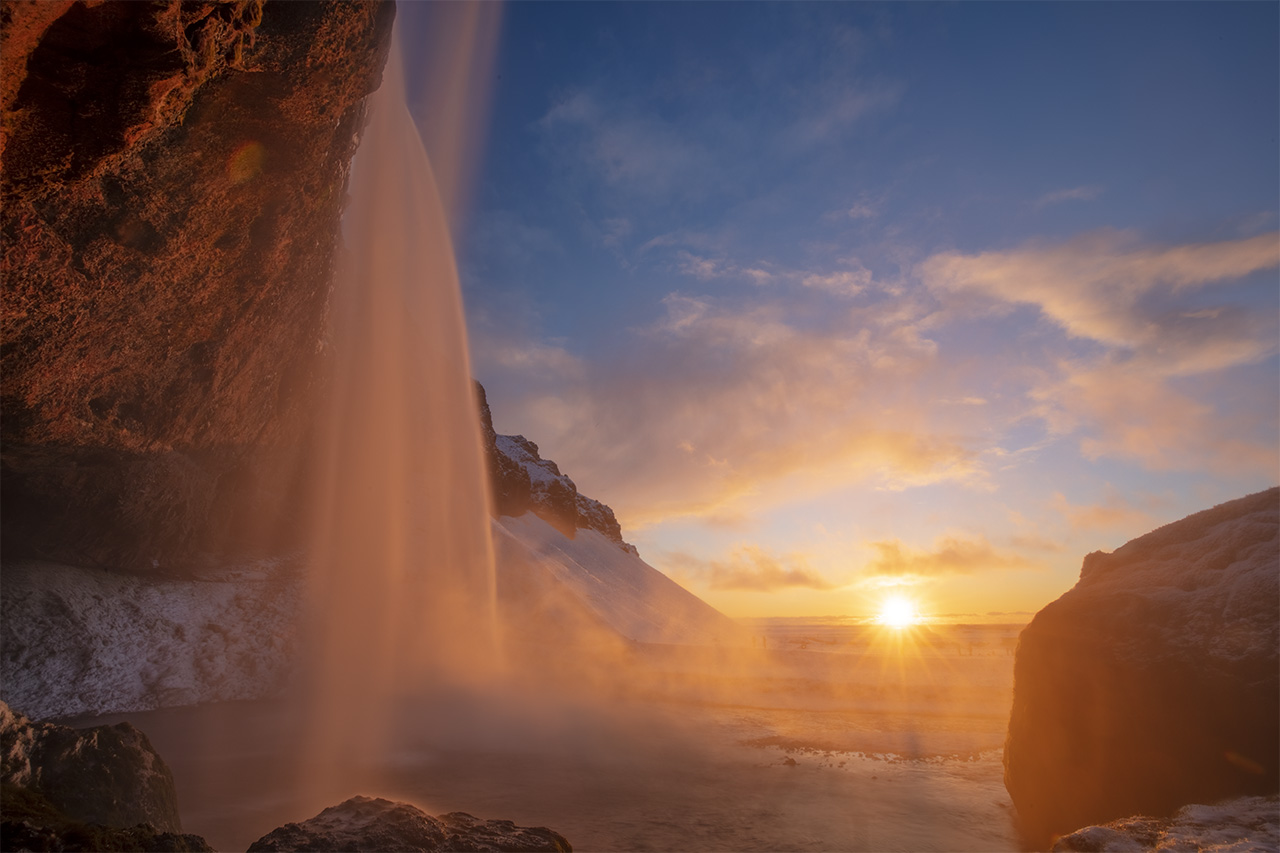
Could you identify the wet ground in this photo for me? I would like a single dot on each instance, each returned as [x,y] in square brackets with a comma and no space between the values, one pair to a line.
[872,742]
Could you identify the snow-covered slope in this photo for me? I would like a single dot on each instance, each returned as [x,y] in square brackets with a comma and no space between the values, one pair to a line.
[624,592]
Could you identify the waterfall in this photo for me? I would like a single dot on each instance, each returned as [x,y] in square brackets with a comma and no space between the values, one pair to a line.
[402,584]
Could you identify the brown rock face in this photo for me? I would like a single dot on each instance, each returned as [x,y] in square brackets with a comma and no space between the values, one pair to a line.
[1155,681]
[173,176]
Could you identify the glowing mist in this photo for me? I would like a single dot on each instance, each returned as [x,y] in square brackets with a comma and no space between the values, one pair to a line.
[402,593]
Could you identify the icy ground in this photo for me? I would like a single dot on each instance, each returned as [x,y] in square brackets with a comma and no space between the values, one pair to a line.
[1241,825]
[88,641]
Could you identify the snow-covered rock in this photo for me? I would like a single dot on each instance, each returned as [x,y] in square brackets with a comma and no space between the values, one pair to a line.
[107,775]
[375,824]
[87,641]
[1241,825]
[522,481]
[1155,681]
[616,587]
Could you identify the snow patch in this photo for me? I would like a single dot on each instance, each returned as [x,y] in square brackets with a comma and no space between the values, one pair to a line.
[86,641]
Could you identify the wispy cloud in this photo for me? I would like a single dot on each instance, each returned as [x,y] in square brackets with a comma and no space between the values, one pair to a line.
[1094,286]
[748,567]
[1131,411]
[949,555]
[1084,193]
[1160,315]
[837,108]
[1113,513]
[721,404]
[630,150]
[848,277]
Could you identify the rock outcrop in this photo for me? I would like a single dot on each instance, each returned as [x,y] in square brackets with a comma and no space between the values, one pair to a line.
[172,179]
[522,481]
[31,822]
[375,824]
[1155,681]
[1242,825]
[108,775]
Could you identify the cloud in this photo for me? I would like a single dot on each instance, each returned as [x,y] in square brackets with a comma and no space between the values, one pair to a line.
[1084,193]
[1096,287]
[949,555]
[1128,410]
[750,568]
[721,406]
[832,110]
[849,279]
[1159,317]
[1113,513]
[848,282]
[628,149]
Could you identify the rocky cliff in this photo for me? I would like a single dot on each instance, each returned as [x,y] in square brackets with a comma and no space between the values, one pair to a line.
[521,481]
[1155,681]
[172,179]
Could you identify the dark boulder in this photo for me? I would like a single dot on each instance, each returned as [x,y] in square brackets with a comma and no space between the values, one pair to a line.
[172,179]
[31,822]
[108,775]
[1155,681]
[375,824]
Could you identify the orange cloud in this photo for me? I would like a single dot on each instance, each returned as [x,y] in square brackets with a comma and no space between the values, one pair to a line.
[719,407]
[1113,513]
[749,568]
[1128,411]
[949,555]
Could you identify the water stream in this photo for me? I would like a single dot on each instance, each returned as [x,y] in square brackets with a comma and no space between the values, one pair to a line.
[402,578]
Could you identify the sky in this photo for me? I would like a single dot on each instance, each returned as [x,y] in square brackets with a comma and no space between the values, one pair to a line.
[836,301]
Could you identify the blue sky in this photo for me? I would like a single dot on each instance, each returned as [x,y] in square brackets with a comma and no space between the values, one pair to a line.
[833,299]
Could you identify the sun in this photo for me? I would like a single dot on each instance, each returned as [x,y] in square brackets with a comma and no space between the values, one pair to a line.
[897,612]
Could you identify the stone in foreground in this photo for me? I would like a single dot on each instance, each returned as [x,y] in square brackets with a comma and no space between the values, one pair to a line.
[1242,825]
[1155,681]
[375,824]
[108,775]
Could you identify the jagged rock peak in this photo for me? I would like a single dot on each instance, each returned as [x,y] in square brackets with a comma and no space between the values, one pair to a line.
[522,481]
